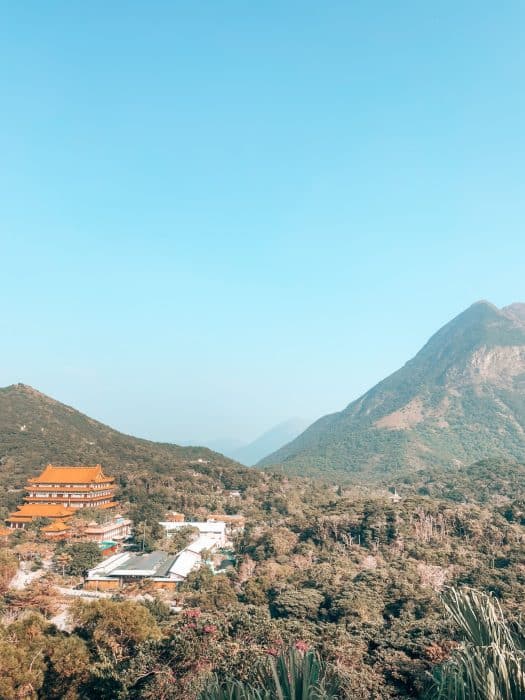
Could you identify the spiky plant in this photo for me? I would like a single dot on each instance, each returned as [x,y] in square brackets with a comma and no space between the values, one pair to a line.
[230,690]
[490,662]
[297,675]
[293,675]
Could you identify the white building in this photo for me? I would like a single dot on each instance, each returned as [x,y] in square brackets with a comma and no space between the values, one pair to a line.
[165,570]
[214,530]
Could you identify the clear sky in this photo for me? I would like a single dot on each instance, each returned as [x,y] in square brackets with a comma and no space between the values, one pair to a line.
[215,216]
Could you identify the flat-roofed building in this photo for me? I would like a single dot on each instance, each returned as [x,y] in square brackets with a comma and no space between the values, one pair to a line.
[162,569]
[214,529]
[115,530]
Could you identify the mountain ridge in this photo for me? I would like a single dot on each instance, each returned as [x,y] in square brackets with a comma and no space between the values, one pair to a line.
[467,378]
[35,429]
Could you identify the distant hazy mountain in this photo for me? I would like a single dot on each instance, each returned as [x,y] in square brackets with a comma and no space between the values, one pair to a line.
[460,399]
[268,442]
[225,446]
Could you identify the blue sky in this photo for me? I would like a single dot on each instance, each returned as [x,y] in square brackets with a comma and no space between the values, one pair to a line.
[216,216]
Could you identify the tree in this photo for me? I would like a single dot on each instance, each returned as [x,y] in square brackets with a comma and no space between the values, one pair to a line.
[69,666]
[303,604]
[22,672]
[116,628]
[179,539]
[84,556]
[8,568]
[22,664]
[62,560]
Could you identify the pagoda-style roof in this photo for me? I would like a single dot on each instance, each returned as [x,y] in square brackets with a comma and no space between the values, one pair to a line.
[57,526]
[28,511]
[71,475]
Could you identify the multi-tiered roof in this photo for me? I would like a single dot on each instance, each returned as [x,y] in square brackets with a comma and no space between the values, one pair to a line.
[58,491]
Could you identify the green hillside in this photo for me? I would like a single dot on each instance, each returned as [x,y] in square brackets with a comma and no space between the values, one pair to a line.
[460,399]
[35,430]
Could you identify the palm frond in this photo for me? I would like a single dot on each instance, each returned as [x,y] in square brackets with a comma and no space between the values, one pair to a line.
[292,675]
[490,663]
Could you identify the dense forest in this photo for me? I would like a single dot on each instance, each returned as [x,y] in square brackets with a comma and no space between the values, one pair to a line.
[353,577]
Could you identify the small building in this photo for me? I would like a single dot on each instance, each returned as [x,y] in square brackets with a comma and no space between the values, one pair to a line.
[234,522]
[115,530]
[214,529]
[393,495]
[174,517]
[56,531]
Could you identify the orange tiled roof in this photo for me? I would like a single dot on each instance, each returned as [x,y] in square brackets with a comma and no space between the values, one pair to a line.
[223,517]
[57,526]
[5,531]
[70,475]
[40,510]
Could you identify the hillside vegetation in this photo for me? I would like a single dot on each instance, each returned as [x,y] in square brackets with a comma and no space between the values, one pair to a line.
[348,574]
[355,578]
[459,400]
[35,430]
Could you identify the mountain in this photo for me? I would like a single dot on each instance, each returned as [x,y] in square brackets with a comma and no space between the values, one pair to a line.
[268,442]
[226,446]
[460,399]
[35,429]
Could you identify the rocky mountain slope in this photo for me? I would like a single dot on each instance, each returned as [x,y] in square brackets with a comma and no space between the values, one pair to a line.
[460,399]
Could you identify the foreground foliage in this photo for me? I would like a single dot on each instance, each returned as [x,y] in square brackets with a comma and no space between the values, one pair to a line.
[295,674]
[490,663]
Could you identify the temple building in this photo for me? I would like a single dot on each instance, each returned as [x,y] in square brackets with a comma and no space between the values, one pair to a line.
[57,530]
[28,512]
[59,491]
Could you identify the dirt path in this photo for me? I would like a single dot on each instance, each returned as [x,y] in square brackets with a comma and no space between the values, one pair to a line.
[24,576]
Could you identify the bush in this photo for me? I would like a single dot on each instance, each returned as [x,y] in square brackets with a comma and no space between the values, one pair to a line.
[84,556]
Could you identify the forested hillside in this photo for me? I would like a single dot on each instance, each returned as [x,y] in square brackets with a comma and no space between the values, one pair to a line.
[36,430]
[354,575]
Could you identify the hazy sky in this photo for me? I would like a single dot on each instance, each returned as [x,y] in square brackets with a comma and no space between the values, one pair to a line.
[218,215]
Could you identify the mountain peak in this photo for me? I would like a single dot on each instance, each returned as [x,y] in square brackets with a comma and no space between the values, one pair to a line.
[515,312]
[460,399]
[25,389]
[484,302]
